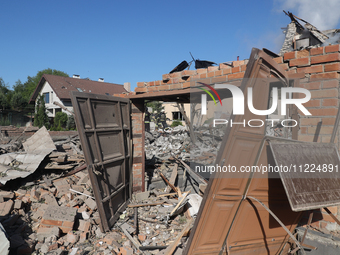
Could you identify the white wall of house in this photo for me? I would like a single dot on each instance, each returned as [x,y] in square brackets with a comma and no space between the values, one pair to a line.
[51,108]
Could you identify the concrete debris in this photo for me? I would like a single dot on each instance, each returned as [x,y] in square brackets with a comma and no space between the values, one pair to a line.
[163,144]
[57,213]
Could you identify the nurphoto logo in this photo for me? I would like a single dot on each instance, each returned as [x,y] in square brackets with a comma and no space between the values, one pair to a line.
[239,102]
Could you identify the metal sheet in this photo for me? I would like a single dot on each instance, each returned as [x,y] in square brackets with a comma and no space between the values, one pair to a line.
[310,183]
[103,123]
[226,222]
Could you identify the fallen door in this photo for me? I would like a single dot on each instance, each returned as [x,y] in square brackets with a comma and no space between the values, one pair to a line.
[103,124]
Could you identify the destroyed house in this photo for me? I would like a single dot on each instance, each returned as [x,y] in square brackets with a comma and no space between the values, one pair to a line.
[236,213]
[57,89]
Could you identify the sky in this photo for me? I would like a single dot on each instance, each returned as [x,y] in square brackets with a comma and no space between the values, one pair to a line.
[140,40]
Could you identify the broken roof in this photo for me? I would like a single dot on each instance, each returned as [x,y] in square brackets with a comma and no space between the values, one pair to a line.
[299,36]
[62,86]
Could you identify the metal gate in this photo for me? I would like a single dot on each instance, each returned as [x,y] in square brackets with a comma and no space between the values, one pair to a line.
[103,124]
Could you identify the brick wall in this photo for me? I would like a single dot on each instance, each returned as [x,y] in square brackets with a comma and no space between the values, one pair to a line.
[138,167]
[317,70]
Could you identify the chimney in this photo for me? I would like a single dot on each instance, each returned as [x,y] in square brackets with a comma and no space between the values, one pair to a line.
[127,86]
[101,79]
[77,76]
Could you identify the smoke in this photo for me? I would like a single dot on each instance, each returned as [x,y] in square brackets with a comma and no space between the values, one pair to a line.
[322,14]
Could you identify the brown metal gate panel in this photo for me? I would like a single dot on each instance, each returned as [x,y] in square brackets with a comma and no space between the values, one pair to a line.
[226,222]
[103,124]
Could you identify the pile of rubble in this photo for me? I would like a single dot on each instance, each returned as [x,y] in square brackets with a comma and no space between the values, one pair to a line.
[53,210]
[163,144]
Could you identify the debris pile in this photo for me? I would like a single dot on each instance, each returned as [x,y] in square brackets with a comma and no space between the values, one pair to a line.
[170,142]
[54,211]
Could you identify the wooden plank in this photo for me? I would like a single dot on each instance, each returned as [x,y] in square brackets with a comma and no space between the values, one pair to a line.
[166,180]
[180,202]
[140,205]
[172,178]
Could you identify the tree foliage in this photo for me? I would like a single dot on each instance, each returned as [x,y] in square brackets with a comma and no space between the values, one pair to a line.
[32,82]
[60,120]
[40,117]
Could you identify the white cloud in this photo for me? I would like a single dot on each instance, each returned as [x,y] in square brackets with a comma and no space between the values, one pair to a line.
[322,14]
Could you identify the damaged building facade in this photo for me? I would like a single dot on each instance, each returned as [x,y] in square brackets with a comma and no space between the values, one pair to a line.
[315,68]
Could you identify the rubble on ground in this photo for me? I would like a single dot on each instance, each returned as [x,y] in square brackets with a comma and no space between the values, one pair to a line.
[53,210]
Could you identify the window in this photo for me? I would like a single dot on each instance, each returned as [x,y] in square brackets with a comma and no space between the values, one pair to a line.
[47,97]
[177,116]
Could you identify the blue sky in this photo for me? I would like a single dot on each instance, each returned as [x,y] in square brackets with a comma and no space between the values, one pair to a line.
[131,41]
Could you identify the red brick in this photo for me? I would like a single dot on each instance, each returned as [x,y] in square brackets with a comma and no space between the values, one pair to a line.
[284,66]
[219,79]
[223,66]
[332,67]
[324,76]
[325,130]
[212,68]
[328,121]
[164,87]
[176,86]
[150,83]
[324,93]
[52,222]
[218,73]
[138,89]
[243,68]
[303,130]
[313,103]
[292,71]
[316,51]
[311,69]
[299,62]
[306,138]
[325,58]
[289,55]
[332,48]
[330,102]
[278,60]
[153,89]
[238,63]
[226,71]
[68,224]
[201,70]
[236,69]
[211,74]
[324,112]
[157,83]
[235,76]
[309,121]
[140,84]
[330,84]
[312,85]
[203,75]
[302,54]
[186,84]
[327,139]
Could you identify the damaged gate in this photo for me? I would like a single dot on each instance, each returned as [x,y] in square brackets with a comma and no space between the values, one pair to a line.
[103,123]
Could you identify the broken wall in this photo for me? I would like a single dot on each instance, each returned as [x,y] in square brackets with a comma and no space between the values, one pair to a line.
[317,70]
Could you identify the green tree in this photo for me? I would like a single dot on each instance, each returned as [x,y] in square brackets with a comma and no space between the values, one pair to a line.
[5,95]
[32,82]
[40,117]
[60,120]
[71,124]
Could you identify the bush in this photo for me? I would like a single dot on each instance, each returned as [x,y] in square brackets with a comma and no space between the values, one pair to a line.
[40,117]
[60,120]
[71,124]
[176,123]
